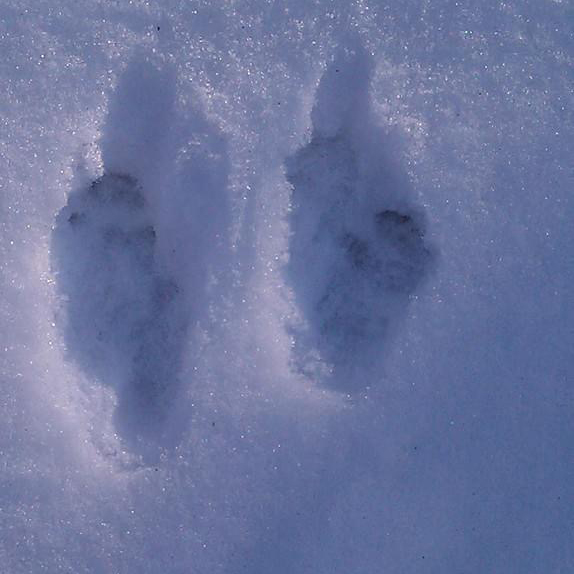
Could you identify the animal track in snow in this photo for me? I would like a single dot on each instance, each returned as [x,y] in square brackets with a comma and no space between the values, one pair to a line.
[133,253]
[123,322]
[357,246]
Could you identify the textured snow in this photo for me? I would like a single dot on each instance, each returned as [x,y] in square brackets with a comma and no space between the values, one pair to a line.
[286,287]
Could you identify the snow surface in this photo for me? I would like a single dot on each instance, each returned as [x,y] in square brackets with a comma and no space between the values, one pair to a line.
[286,287]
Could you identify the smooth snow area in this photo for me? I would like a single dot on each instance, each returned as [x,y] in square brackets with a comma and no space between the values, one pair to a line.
[286,287]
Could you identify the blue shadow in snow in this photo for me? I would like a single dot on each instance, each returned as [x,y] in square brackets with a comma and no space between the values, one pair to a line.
[131,253]
[357,247]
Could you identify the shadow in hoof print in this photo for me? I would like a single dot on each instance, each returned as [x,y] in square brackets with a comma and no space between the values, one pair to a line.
[123,325]
[130,259]
[357,248]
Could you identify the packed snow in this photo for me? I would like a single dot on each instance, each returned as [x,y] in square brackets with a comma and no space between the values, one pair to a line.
[286,287]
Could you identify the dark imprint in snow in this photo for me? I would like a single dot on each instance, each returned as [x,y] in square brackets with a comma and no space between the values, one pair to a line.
[123,321]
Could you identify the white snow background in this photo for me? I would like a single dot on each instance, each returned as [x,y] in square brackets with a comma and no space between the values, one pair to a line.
[286,287]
